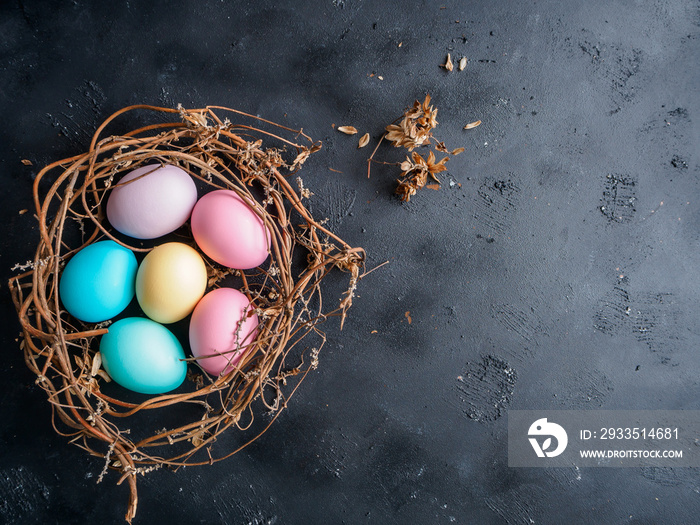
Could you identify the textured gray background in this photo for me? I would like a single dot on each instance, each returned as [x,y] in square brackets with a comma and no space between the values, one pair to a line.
[556,268]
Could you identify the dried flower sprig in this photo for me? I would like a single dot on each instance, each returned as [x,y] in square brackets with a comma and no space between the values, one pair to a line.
[415,172]
[416,126]
[415,129]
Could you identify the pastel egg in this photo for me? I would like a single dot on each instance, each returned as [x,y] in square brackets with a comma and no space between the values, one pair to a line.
[222,326]
[229,231]
[143,356]
[158,201]
[170,281]
[97,283]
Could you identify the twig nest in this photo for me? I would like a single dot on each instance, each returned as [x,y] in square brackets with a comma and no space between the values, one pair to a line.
[278,300]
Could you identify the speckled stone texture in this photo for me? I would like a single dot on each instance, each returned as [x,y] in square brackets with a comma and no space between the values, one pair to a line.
[556,267]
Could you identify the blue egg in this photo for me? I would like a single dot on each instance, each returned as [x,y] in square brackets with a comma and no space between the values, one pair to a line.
[98,282]
[143,356]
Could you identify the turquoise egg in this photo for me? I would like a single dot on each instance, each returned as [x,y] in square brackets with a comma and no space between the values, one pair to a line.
[98,281]
[143,356]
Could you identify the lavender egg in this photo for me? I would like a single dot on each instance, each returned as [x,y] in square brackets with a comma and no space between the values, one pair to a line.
[151,201]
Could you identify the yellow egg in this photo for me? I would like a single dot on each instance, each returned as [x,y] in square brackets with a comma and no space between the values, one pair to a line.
[170,281]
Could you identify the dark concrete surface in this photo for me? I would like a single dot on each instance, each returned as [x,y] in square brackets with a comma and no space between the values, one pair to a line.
[557,267]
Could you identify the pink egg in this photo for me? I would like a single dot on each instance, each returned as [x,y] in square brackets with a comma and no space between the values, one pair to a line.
[229,231]
[220,327]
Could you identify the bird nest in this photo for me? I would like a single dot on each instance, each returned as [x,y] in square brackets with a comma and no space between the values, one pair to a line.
[221,148]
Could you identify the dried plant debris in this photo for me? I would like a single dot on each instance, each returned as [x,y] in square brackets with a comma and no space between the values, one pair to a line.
[416,126]
[448,65]
[348,130]
[415,172]
[413,130]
